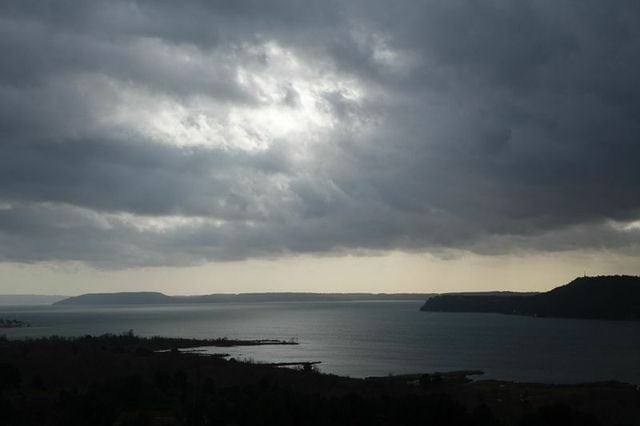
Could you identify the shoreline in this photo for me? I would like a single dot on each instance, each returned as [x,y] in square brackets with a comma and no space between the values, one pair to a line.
[127,374]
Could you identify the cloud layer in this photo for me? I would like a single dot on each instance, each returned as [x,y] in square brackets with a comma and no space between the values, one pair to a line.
[153,133]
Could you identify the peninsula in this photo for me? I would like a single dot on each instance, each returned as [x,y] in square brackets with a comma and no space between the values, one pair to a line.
[614,297]
[129,380]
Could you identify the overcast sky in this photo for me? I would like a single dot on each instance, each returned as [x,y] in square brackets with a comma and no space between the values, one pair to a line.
[205,146]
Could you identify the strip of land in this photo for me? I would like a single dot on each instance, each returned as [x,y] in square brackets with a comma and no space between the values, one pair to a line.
[156,298]
[125,380]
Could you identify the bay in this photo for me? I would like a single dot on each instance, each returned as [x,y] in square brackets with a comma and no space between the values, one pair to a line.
[372,338]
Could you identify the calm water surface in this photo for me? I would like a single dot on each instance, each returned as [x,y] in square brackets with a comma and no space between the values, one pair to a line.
[373,338]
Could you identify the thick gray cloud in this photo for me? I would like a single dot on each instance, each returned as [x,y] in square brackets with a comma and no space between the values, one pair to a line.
[152,132]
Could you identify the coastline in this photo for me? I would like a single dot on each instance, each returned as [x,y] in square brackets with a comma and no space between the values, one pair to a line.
[130,377]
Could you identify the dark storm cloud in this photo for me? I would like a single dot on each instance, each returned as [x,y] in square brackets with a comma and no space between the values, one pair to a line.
[134,177]
[492,126]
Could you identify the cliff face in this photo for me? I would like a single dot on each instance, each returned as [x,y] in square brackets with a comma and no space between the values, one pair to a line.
[604,297]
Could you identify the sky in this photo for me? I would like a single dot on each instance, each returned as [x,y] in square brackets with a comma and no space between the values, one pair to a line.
[217,146]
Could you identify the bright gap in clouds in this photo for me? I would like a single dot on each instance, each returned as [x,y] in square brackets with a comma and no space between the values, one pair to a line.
[288,101]
[282,99]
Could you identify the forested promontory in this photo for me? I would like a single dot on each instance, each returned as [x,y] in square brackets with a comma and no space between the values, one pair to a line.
[604,297]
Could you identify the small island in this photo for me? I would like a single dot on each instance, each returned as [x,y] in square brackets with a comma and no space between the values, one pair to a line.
[614,297]
[12,323]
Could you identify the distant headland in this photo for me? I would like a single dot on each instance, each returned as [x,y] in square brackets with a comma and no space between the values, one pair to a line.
[615,297]
[156,298]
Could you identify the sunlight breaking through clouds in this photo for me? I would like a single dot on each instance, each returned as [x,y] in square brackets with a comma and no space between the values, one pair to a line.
[137,133]
[286,100]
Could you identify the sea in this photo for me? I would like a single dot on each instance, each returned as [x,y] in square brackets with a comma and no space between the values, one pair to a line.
[370,338]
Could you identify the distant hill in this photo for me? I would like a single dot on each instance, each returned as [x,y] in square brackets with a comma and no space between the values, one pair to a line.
[117,299]
[603,297]
[130,298]
[29,299]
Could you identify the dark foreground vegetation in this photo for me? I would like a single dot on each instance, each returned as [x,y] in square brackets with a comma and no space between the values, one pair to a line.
[605,297]
[124,380]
